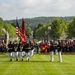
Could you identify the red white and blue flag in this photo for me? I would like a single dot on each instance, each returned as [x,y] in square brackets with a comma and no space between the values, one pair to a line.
[18,31]
[21,32]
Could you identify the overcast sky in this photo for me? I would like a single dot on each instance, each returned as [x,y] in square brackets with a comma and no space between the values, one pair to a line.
[10,9]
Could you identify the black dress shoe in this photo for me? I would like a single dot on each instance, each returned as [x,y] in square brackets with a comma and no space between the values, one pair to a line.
[10,60]
[16,59]
[27,60]
[21,59]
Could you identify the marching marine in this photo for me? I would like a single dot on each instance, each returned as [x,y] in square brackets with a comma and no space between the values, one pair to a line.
[59,48]
[52,50]
[32,48]
[26,48]
[19,51]
[10,50]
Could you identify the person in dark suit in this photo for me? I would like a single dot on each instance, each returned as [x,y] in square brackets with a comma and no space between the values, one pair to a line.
[52,50]
[32,48]
[1,46]
[59,48]
[19,51]
[10,50]
[27,49]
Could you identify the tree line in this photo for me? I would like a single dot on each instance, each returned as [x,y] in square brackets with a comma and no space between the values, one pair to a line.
[59,26]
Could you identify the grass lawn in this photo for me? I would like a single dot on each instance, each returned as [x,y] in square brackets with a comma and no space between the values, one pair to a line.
[38,65]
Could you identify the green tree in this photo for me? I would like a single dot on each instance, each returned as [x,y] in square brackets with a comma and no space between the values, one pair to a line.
[28,31]
[39,28]
[36,28]
[1,21]
[1,26]
[40,32]
[11,30]
[58,28]
[13,24]
[1,32]
[71,28]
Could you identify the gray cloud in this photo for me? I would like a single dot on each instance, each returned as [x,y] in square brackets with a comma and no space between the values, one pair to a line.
[35,8]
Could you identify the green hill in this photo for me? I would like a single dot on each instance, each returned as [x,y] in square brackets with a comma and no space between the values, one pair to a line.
[35,21]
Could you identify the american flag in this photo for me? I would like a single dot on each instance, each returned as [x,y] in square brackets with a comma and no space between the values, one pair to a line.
[18,31]
[21,32]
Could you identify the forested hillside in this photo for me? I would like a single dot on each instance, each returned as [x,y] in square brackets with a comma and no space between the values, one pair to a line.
[40,24]
[35,21]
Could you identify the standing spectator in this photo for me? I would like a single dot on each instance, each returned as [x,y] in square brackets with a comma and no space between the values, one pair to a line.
[1,46]
[74,45]
[4,48]
[71,46]
[36,47]
[47,45]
